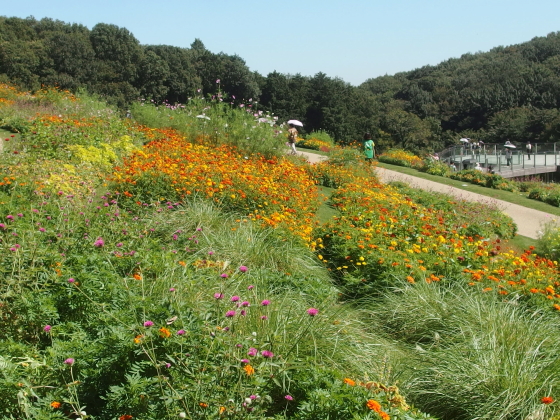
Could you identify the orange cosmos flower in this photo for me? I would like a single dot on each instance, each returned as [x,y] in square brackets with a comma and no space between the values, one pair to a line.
[125,417]
[249,370]
[164,332]
[349,381]
[373,405]
[55,404]
[547,400]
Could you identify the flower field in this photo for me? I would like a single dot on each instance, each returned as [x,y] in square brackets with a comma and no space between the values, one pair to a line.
[151,273]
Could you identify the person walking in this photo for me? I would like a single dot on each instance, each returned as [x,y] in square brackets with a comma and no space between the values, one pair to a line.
[509,155]
[369,148]
[292,138]
[528,147]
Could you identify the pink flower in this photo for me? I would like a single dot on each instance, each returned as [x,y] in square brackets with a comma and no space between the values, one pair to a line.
[312,311]
[243,269]
[69,361]
[10,217]
[252,352]
[235,298]
[181,332]
[218,295]
[289,397]
[47,328]
[245,304]
[264,317]
[265,302]
[230,314]
[267,354]
[99,243]
[223,275]
[148,324]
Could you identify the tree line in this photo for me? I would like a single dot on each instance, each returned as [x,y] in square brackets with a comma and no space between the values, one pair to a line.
[506,93]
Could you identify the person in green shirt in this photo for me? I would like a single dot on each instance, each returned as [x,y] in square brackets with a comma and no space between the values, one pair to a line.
[369,148]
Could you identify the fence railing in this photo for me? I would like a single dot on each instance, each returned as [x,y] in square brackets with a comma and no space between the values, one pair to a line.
[502,158]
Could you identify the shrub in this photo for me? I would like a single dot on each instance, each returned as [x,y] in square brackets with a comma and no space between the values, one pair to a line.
[401,158]
[548,243]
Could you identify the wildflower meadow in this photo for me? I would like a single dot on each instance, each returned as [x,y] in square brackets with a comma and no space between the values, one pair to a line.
[176,265]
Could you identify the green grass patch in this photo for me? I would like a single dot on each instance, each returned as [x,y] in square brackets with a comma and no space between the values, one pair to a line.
[326,211]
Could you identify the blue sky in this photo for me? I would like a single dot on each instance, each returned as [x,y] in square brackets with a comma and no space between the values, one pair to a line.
[351,39]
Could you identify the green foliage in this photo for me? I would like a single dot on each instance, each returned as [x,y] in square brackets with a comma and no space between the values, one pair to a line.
[487,180]
[436,167]
[487,357]
[548,243]
[216,122]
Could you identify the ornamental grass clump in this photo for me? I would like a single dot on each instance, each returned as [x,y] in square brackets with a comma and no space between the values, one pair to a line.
[475,356]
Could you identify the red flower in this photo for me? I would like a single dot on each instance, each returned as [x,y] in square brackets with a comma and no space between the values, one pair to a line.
[547,400]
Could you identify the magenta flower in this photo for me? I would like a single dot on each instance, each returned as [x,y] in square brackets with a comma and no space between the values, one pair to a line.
[69,361]
[235,298]
[245,303]
[252,352]
[230,314]
[312,311]
[243,269]
[10,217]
[47,328]
[218,295]
[181,332]
[245,360]
[171,289]
[223,275]
[264,317]
[148,324]
[2,226]
[267,354]
[41,229]
[71,280]
[20,215]
[243,312]
[289,397]
[99,243]
[265,302]
[251,287]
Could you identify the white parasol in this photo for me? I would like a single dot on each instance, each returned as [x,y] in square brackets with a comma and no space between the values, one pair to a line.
[508,144]
[464,140]
[295,122]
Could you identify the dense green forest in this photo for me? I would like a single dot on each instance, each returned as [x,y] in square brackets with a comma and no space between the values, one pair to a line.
[509,92]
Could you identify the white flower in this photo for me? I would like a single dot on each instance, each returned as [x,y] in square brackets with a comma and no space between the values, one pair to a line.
[182,415]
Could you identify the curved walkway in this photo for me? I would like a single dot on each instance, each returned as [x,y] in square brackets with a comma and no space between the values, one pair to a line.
[529,222]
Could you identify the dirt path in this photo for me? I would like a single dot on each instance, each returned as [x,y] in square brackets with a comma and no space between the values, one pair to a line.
[529,222]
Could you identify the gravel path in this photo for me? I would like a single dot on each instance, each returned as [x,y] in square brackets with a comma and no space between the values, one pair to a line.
[529,222]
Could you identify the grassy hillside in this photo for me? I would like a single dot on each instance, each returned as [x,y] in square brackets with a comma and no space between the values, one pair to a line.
[151,272]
